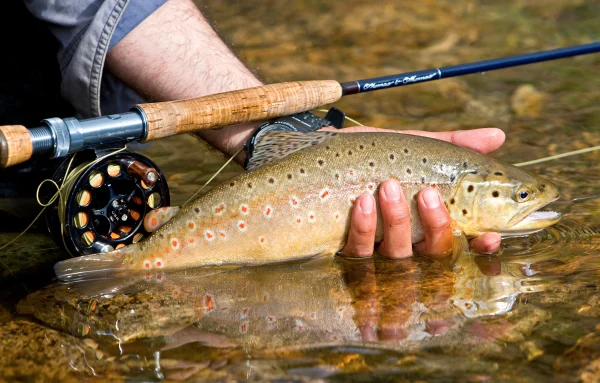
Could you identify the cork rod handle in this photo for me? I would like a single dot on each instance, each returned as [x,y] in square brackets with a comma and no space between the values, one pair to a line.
[15,145]
[229,108]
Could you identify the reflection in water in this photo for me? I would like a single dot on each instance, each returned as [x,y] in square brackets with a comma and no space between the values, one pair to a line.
[193,322]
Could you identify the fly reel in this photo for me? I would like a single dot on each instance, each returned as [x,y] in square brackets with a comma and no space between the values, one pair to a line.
[104,204]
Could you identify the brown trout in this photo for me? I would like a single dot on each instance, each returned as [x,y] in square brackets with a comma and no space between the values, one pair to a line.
[297,200]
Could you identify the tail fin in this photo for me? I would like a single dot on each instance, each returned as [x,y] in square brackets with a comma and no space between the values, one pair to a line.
[98,274]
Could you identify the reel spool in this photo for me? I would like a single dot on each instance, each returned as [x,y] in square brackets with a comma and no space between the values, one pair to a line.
[104,207]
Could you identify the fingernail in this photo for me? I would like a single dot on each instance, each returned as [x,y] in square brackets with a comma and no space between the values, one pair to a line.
[366,204]
[431,199]
[391,191]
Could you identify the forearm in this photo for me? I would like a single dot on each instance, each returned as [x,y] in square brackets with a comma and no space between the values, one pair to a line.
[175,54]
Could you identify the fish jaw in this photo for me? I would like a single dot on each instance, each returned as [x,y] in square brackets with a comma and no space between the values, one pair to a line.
[533,222]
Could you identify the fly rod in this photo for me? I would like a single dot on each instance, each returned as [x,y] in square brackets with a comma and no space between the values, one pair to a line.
[58,137]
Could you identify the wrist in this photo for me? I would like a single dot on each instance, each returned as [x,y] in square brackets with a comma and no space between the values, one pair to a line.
[231,139]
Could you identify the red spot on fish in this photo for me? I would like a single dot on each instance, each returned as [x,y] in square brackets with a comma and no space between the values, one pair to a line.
[219,209]
[261,239]
[242,226]
[147,264]
[175,292]
[313,315]
[222,234]
[153,222]
[270,319]
[268,211]
[147,275]
[324,194]
[208,303]
[209,235]
[174,243]
[191,225]
[192,240]
[159,277]
[245,310]
[298,220]
[131,262]
[264,298]
[294,201]
[244,327]
[244,209]
[159,263]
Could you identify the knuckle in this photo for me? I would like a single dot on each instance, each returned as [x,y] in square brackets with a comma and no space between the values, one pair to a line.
[438,223]
[398,218]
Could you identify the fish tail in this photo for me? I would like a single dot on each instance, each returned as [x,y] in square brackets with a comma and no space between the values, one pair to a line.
[94,266]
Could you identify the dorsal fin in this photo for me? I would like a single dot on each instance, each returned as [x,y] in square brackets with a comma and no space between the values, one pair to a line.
[276,145]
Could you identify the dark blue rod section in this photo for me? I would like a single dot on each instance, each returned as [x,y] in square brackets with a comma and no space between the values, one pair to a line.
[408,78]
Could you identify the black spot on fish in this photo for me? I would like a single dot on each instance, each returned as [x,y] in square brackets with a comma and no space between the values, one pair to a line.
[371,164]
[542,187]
[373,143]
[249,185]
[452,177]
[271,180]
[315,142]
[452,201]
[232,184]
[161,235]
[408,171]
[422,180]
[333,134]
[337,154]
[197,210]
[406,151]
[302,171]
[392,157]
[361,147]
[495,194]
[349,152]
[470,188]
[337,176]
[327,147]
[289,176]
[424,160]
[498,173]
[321,162]
[465,212]
[465,165]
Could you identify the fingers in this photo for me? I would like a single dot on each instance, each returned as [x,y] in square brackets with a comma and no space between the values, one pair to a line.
[396,221]
[487,243]
[484,140]
[363,225]
[436,225]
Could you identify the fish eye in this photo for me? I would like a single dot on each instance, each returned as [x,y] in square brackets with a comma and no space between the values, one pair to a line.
[523,195]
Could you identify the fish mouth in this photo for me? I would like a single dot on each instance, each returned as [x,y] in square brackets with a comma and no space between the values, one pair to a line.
[535,220]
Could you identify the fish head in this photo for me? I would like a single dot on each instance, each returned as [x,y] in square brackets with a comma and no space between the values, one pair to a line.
[503,199]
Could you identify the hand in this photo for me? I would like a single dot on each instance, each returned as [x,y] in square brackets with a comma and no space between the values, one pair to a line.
[434,215]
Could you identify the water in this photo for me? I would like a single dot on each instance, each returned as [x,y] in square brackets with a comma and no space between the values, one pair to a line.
[529,314]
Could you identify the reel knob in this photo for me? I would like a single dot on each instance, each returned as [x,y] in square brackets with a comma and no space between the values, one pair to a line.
[104,204]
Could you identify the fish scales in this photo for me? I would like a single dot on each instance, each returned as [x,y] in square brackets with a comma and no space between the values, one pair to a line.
[300,205]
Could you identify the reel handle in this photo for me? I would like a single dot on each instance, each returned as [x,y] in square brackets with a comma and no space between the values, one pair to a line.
[16,145]
[247,105]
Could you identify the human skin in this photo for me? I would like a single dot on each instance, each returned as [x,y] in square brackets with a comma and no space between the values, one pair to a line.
[175,54]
